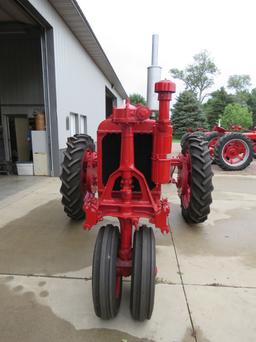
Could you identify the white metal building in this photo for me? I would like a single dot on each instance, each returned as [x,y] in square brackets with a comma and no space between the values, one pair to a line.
[51,63]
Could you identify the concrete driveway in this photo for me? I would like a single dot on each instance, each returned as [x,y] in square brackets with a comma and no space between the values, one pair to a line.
[206,282]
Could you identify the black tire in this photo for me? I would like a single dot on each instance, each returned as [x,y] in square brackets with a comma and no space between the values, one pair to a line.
[143,274]
[209,137]
[184,137]
[197,208]
[254,148]
[188,134]
[223,161]
[104,276]
[199,134]
[71,187]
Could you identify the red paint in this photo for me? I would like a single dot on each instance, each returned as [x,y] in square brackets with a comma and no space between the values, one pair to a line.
[184,179]
[234,151]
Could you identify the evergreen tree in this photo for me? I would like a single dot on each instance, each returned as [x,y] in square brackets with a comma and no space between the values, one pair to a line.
[187,113]
[251,103]
[136,98]
[215,106]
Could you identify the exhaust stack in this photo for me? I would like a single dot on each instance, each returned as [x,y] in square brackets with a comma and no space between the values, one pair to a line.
[154,75]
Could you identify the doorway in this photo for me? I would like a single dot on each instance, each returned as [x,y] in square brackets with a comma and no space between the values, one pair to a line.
[110,101]
[19,129]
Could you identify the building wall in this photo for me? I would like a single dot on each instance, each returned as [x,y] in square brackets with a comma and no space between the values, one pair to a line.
[80,85]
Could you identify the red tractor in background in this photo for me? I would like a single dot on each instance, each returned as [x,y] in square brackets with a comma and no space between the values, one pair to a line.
[123,179]
[232,150]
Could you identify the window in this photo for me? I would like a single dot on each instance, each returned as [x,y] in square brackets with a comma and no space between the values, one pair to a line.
[74,126]
[83,124]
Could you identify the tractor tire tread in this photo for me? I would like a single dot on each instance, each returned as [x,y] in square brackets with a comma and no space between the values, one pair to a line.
[106,305]
[201,183]
[143,274]
[72,198]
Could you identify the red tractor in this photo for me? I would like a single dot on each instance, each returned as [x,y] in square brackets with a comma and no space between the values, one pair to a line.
[123,179]
[231,150]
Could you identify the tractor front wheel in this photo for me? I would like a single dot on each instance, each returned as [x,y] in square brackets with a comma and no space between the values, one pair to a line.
[195,180]
[143,274]
[233,152]
[106,283]
[72,187]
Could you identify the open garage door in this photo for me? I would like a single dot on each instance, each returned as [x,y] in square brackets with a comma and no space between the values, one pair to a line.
[27,91]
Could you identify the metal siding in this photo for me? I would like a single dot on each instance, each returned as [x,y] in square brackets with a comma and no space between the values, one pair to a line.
[79,82]
[73,16]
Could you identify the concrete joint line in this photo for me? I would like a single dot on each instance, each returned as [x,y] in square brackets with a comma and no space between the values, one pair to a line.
[223,286]
[44,276]
[183,286]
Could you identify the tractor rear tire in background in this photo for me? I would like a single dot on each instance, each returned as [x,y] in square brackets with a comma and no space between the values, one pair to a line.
[199,133]
[212,139]
[72,189]
[143,274]
[196,180]
[233,152]
[254,148]
[106,284]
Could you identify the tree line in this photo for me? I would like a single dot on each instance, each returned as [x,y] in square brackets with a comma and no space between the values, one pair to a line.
[195,107]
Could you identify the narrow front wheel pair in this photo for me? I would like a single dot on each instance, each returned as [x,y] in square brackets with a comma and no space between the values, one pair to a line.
[143,274]
[107,283]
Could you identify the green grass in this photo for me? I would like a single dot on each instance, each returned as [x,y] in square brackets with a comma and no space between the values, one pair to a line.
[175,140]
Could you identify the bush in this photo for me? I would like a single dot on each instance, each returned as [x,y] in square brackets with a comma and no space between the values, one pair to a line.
[235,114]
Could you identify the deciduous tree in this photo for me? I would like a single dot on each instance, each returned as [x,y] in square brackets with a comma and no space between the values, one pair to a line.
[235,114]
[199,76]
[239,82]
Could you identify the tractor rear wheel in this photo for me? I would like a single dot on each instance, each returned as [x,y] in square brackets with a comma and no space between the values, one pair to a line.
[143,274]
[184,137]
[254,148]
[106,284]
[196,180]
[212,139]
[233,152]
[189,134]
[72,187]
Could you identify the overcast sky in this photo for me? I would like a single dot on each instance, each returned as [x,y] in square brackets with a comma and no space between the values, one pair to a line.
[227,29]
